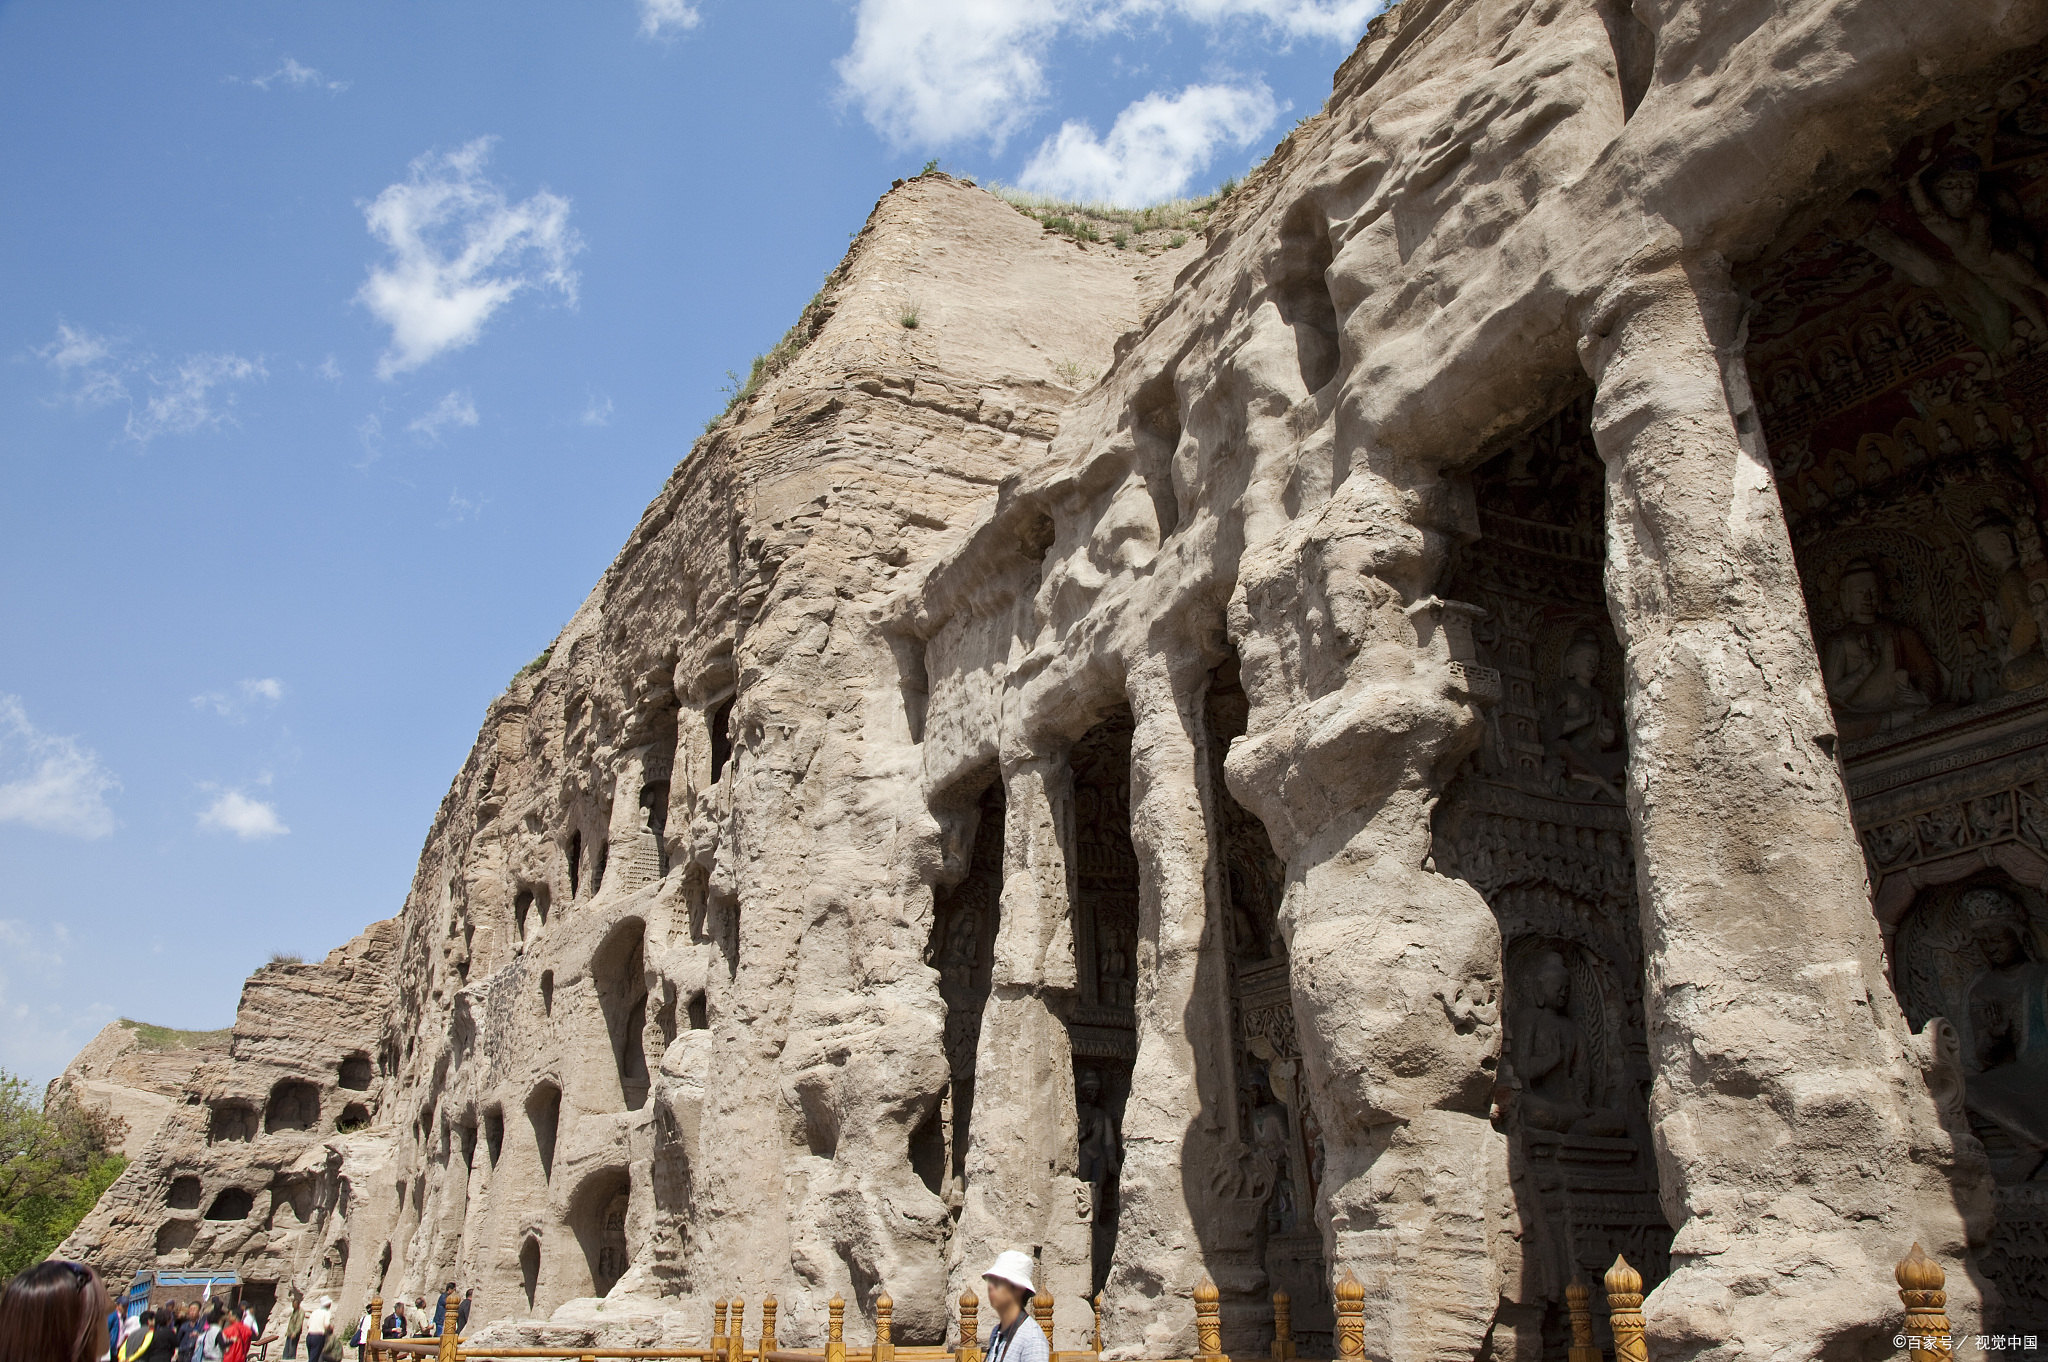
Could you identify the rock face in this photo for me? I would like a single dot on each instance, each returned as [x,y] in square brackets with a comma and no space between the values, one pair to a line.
[1505,729]
[138,1073]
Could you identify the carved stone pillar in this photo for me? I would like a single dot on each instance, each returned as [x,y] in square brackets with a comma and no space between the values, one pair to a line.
[1359,707]
[1797,1144]
[1022,1157]
[1182,1092]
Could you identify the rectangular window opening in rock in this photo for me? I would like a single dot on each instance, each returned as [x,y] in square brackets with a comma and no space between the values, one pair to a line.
[1535,821]
[1897,354]
[1268,1205]
[962,949]
[494,1134]
[1103,1025]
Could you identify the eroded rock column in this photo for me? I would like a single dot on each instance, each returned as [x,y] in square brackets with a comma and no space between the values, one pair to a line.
[1356,717]
[1798,1149]
[1176,1122]
[1022,1191]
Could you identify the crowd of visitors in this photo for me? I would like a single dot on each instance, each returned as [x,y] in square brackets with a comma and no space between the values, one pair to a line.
[62,1312]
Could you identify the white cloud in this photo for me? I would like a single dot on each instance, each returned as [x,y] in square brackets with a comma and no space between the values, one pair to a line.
[1157,145]
[185,401]
[597,411]
[52,784]
[329,369]
[461,508]
[86,362]
[252,820]
[930,73]
[933,72]
[294,76]
[460,250]
[453,410]
[264,690]
[661,18]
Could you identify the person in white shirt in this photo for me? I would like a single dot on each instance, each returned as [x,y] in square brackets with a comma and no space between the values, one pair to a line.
[1015,1336]
[318,1323]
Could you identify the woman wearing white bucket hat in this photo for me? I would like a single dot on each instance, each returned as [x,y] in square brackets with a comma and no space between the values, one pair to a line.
[1015,1336]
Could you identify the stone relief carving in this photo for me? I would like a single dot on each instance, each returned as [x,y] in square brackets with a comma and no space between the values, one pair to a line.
[1535,822]
[1900,358]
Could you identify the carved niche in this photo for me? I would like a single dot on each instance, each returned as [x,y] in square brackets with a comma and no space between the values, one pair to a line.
[962,950]
[1899,356]
[1535,821]
[1276,1177]
[1103,1026]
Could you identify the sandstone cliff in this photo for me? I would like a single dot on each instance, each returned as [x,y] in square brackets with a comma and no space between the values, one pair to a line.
[1354,788]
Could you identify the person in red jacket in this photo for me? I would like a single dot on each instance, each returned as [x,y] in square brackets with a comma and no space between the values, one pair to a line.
[236,1335]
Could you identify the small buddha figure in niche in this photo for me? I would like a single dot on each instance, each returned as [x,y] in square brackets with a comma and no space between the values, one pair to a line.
[1580,738]
[963,940]
[1100,1146]
[1880,674]
[2009,614]
[1957,216]
[2008,1005]
[1551,1060]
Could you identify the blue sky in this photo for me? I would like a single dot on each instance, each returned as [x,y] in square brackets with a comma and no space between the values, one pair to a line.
[345,343]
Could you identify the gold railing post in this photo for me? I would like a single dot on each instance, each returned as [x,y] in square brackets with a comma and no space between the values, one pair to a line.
[451,1305]
[375,1335]
[1625,1311]
[885,1348]
[1921,1281]
[1350,1319]
[1208,1322]
[718,1345]
[1578,1301]
[1097,1340]
[735,1335]
[970,1328]
[835,1329]
[767,1328]
[1283,1326]
[1041,1310]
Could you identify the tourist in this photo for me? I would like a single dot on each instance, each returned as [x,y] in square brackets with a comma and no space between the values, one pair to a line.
[366,1329]
[1015,1336]
[394,1323]
[54,1312]
[236,1335]
[141,1332]
[422,1325]
[441,1310]
[188,1332]
[462,1311]
[163,1343]
[295,1328]
[334,1350]
[211,1344]
[318,1325]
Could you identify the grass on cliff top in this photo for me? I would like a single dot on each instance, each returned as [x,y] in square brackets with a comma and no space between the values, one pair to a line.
[1155,227]
[164,1038]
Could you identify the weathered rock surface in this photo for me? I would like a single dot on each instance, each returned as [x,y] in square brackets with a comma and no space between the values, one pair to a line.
[138,1073]
[1356,788]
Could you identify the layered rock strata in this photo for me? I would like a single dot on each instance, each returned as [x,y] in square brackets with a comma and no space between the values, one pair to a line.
[1392,778]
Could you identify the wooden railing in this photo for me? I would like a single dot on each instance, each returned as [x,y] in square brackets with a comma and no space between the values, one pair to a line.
[1924,1333]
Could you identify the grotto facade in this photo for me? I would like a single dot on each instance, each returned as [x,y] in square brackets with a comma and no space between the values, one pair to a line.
[1487,713]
